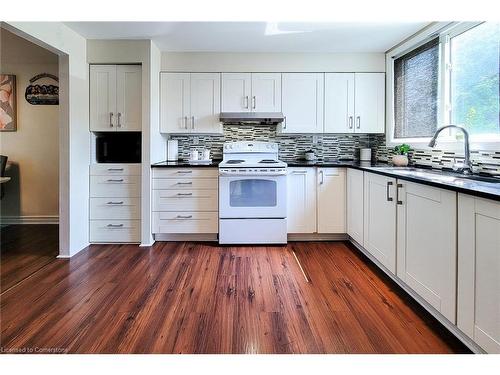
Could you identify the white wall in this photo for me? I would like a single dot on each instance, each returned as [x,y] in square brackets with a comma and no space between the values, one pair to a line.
[272,62]
[33,193]
[74,139]
[153,144]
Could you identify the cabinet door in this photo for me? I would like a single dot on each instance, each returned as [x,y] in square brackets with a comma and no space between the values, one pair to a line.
[479,271]
[236,92]
[205,103]
[369,102]
[355,189]
[380,219]
[331,200]
[302,102]
[339,103]
[102,97]
[129,98]
[174,103]
[301,208]
[427,248]
[266,92]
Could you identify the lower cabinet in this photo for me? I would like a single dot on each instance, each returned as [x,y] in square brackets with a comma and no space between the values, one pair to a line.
[331,204]
[355,192]
[380,219]
[426,244]
[301,200]
[478,313]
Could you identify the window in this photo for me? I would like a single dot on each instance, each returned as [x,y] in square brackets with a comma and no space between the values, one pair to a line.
[474,85]
[416,77]
[452,77]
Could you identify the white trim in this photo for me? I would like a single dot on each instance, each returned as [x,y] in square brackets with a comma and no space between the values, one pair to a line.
[147,245]
[46,219]
[63,256]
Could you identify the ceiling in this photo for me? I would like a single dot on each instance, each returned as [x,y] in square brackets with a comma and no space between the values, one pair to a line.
[256,36]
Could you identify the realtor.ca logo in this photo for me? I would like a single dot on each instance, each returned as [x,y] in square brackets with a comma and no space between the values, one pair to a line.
[33,350]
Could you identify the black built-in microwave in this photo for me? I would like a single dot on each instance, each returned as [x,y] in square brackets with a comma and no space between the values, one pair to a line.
[118,147]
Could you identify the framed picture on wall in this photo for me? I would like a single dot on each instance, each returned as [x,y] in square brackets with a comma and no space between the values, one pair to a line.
[8,102]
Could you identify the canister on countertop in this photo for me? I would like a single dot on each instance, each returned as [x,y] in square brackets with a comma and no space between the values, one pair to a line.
[365,154]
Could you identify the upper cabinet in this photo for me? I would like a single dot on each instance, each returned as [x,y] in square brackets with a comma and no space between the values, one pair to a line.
[190,103]
[354,102]
[251,92]
[302,102]
[115,98]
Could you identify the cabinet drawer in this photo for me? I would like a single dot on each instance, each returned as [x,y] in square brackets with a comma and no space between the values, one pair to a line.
[112,208]
[185,172]
[185,222]
[185,200]
[115,230]
[115,186]
[106,169]
[185,183]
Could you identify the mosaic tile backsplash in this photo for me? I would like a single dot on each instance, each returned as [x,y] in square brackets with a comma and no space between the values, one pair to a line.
[330,146]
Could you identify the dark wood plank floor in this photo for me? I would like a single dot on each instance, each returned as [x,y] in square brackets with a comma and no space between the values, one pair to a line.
[204,298]
[24,249]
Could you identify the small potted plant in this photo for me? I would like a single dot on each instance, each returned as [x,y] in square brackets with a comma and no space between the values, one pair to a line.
[400,159]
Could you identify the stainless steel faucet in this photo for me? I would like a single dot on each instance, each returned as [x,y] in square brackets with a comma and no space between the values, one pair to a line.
[466,166]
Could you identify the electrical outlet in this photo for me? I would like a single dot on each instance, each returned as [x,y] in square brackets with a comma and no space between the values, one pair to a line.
[196,141]
[315,139]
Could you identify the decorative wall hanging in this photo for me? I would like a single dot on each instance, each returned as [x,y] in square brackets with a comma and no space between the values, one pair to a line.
[42,94]
[8,102]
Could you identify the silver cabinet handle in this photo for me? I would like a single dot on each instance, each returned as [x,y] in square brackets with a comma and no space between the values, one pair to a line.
[322,178]
[115,169]
[246,102]
[184,183]
[115,180]
[111,119]
[389,198]
[184,217]
[183,172]
[119,115]
[185,122]
[284,122]
[397,194]
[358,121]
[185,194]
[350,122]
[192,122]
[254,101]
[115,225]
[115,203]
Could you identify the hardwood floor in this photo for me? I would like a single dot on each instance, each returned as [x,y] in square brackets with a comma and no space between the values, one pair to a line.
[24,249]
[205,298]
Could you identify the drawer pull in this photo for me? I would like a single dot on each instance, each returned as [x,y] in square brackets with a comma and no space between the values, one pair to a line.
[115,225]
[184,183]
[184,217]
[182,172]
[184,194]
[115,169]
[115,203]
[115,180]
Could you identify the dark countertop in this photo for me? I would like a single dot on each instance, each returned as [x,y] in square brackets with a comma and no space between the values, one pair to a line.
[433,177]
[184,163]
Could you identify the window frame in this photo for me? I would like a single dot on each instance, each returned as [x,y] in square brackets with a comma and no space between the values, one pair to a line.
[444,31]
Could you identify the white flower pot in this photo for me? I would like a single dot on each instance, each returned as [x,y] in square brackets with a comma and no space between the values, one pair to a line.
[400,160]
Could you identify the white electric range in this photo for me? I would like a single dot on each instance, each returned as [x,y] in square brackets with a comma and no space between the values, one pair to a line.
[252,194]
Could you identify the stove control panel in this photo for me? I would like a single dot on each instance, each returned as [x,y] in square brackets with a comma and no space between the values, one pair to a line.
[252,171]
[250,146]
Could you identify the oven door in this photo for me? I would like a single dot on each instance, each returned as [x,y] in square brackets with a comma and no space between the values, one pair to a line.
[252,197]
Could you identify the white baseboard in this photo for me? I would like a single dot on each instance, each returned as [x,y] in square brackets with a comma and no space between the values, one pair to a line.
[186,237]
[46,219]
[317,237]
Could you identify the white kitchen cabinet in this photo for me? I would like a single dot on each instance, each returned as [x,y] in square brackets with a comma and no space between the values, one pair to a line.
[301,200]
[331,206]
[251,92]
[115,98]
[478,313]
[380,219]
[426,244]
[190,103]
[354,102]
[302,100]
[355,198]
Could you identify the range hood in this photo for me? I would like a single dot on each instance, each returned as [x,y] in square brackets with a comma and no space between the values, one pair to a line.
[260,118]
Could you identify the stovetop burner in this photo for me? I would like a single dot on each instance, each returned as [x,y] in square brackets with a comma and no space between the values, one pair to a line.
[268,161]
[235,161]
